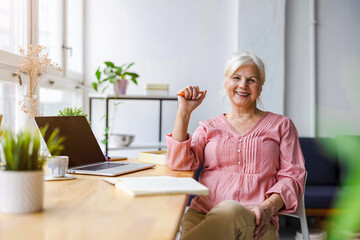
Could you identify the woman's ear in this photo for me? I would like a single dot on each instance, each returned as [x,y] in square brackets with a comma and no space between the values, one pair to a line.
[225,83]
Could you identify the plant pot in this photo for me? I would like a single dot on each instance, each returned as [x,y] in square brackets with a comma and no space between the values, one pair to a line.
[21,191]
[120,87]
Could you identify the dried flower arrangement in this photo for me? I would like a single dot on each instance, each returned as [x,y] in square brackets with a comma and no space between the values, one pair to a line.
[33,63]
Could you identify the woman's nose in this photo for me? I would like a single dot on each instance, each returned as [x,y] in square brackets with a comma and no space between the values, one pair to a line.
[242,83]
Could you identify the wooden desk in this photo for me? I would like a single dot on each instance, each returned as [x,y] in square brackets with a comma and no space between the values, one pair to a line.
[90,208]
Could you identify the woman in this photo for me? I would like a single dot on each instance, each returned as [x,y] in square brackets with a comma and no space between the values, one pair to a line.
[252,160]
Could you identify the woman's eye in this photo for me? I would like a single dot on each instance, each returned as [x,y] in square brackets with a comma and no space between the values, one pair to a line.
[252,80]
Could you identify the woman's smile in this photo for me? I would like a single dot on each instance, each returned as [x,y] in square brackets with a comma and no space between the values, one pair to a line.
[242,94]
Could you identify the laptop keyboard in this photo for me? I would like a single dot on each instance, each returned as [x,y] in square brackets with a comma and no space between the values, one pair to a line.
[102,166]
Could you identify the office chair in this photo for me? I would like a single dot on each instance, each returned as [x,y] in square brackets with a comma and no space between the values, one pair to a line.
[301,214]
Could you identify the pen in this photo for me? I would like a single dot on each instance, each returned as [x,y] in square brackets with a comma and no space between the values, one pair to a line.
[183,94]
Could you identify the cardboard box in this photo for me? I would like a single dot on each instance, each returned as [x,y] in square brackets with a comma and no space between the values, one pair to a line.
[157,157]
[153,89]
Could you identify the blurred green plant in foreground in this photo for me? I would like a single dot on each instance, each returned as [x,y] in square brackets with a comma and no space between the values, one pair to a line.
[346,223]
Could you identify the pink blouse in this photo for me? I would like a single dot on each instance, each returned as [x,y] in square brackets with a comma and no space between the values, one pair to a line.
[246,168]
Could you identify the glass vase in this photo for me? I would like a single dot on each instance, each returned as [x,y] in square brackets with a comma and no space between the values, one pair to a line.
[28,111]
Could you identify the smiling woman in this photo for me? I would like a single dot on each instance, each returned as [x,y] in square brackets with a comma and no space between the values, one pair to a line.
[251,160]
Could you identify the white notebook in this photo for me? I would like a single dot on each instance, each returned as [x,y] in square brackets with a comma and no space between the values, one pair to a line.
[155,185]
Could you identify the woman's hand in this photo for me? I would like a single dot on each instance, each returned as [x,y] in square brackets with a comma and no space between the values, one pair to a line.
[263,214]
[191,99]
[187,103]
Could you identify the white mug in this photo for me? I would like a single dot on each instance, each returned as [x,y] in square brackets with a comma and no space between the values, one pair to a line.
[58,165]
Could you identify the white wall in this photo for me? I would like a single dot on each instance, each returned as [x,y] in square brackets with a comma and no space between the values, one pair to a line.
[297,86]
[338,67]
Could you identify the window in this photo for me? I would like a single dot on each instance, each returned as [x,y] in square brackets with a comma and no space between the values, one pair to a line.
[51,28]
[61,32]
[52,100]
[56,24]
[7,103]
[74,37]
[13,30]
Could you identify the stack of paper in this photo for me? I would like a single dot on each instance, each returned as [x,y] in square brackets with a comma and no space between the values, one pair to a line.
[135,186]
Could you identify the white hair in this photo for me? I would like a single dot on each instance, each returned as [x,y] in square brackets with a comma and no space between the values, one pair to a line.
[242,59]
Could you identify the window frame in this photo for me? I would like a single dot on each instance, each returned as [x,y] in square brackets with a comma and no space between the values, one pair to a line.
[59,80]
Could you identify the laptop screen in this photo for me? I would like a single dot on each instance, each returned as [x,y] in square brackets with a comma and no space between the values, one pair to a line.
[80,143]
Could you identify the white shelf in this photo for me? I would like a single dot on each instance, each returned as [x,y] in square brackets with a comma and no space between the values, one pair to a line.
[109,98]
[140,146]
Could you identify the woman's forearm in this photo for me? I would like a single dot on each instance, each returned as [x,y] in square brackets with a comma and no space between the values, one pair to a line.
[181,125]
[274,202]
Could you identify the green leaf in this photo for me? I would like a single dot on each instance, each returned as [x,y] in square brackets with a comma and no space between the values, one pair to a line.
[54,141]
[134,80]
[112,80]
[109,64]
[95,86]
[109,72]
[118,70]
[98,74]
[21,151]
[106,79]
[129,65]
[132,74]
[73,111]
[102,91]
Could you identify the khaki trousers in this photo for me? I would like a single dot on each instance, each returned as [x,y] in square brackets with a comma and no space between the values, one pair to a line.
[227,221]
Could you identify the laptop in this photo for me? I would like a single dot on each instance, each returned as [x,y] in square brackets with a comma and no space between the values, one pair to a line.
[85,155]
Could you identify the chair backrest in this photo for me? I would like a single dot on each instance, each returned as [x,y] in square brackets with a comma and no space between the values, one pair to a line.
[196,177]
[301,214]
[300,210]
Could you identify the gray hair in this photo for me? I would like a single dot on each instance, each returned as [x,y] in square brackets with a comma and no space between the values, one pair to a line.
[241,59]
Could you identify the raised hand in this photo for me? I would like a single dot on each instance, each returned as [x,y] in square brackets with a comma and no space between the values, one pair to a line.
[190,98]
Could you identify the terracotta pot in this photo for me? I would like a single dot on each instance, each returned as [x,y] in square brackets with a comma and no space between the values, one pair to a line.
[21,191]
[120,87]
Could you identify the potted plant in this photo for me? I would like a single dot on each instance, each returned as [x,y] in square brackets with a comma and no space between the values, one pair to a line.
[21,180]
[117,75]
[73,111]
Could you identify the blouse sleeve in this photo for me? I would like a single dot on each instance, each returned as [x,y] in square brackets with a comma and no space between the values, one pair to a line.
[291,175]
[189,154]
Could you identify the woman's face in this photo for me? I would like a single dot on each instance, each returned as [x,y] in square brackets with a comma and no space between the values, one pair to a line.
[244,86]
